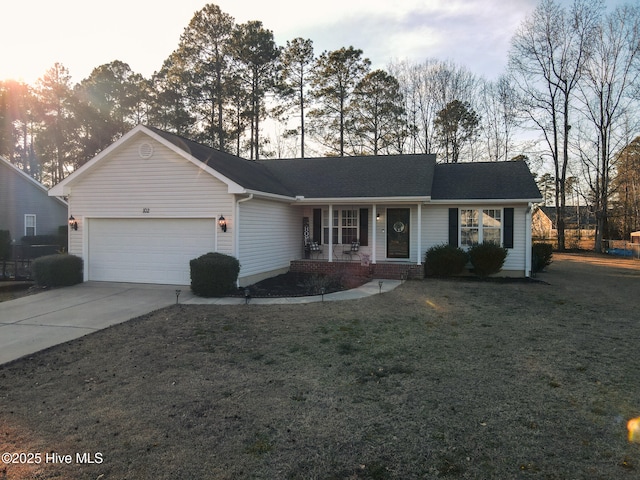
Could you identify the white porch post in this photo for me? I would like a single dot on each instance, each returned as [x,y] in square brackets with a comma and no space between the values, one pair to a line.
[374,222]
[330,233]
[419,248]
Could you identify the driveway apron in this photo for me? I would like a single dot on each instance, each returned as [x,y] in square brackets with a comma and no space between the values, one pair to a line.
[36,322]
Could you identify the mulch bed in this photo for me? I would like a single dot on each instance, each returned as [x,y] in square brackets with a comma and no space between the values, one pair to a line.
[297,284]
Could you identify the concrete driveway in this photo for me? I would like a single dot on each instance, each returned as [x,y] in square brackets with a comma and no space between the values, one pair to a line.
[36,322]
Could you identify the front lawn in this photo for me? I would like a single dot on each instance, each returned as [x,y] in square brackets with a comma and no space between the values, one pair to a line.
[438,378]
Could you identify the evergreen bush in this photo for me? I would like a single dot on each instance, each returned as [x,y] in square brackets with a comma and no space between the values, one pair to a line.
[444,260]
[59,270]
[214,274]
[487,258]
[541,256]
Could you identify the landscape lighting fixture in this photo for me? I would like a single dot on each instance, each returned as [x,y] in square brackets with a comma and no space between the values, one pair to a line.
[73,225]
[223,223]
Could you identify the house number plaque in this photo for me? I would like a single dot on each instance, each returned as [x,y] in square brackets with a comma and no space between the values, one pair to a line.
[145,210]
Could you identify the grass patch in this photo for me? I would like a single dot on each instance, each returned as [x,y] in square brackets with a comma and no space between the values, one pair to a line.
[438,379]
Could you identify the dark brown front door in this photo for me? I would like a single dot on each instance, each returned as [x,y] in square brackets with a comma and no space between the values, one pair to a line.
[398,232]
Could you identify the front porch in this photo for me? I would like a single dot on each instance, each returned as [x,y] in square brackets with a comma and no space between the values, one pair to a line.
[389,270]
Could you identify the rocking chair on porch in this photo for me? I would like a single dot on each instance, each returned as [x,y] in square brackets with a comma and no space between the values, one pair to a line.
[353,252]
[315,249]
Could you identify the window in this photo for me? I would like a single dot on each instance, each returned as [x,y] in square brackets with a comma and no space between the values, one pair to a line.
[349,226]
[345,226]
[469,228]
[29,225]
[491,225]
[479,226]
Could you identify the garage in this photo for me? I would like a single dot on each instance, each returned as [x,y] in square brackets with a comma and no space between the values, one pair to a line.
[147,250]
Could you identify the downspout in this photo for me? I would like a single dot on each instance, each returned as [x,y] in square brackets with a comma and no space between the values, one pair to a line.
[527,242]
[236,231]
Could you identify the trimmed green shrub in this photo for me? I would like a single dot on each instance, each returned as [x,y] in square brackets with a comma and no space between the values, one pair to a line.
[214,274]
[487,258]
[58,270]
[444,260]
[541,254]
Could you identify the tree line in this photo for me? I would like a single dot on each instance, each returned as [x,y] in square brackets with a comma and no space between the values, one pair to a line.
[224,82]
[566,103]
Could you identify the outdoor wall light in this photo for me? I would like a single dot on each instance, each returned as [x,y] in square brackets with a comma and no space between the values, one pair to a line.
[73,225]
[223,223]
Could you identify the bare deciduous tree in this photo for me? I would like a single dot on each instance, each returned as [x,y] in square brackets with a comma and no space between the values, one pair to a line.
[605,94]
[547,57]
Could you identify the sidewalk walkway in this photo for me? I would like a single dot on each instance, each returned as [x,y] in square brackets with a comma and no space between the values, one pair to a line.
[371,288]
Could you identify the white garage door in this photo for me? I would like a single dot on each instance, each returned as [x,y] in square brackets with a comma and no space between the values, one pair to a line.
[147,250]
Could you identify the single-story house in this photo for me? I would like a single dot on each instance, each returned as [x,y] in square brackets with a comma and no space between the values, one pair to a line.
[25,208]
[152,201]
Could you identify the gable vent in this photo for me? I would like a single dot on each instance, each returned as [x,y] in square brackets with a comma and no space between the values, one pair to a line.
[145,150]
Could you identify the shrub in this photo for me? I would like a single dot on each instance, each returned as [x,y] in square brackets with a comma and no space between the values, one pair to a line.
[214,274]
[444,260]
[58,270]
[487,258]
[541,254]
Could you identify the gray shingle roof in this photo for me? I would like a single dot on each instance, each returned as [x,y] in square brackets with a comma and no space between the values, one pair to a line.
[368,176]
[484,181]
[354,177]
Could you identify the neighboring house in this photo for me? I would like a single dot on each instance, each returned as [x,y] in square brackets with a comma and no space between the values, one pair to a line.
[152,201]
[579,226]
[25,207]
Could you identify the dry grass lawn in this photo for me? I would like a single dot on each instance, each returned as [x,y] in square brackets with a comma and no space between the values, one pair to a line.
[437,379]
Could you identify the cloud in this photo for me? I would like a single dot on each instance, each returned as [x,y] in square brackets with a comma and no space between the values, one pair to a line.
[142,33]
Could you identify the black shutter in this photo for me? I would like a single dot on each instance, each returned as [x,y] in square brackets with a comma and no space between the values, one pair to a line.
[364,227]
[317,225]
[508,228]
[453,227]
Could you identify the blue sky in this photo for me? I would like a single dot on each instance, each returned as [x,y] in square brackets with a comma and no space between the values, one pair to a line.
[82,35]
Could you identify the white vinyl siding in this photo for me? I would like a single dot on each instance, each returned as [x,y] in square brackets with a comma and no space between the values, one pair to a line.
[165,185]
[270,236]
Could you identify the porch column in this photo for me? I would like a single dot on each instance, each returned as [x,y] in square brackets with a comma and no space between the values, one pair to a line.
[374,222]
[419,242]
[330,233]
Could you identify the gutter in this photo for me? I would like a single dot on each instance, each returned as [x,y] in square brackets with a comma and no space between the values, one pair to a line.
[487,201]
[301,200]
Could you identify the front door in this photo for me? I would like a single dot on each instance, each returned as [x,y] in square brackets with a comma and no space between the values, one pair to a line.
[398,232]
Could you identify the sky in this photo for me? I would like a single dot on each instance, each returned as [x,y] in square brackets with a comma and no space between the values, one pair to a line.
[82,35]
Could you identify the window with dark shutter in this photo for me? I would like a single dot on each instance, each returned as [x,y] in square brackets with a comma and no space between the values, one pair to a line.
[453,227]
[508,228]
